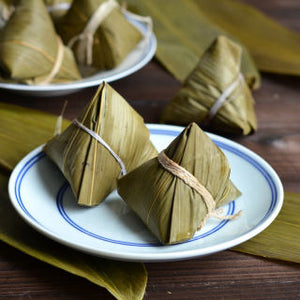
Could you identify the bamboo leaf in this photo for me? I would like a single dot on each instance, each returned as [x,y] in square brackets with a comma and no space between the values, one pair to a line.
[274,48]
[123,280]
[184,33]
[281,239]
[23,129]
[186,28]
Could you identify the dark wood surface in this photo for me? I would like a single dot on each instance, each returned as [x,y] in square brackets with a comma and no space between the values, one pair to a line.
[225,275]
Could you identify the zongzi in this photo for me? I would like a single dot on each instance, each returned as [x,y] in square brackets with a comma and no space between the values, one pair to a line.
[98,33]
[215,94]
[108,139]
[175,192]
[30,50]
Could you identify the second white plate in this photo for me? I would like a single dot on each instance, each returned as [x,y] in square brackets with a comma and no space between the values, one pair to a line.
[44,199]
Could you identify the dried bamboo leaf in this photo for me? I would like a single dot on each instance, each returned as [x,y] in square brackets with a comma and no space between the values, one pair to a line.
[29,47]
[281,239]
[186,28]
[171,209]
[123,280]
[184,33]
[217,72]
[89,167]
[274,48]
[114,39]
[23,129]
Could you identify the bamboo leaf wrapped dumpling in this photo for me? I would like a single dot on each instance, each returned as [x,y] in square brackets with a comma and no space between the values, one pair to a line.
[215,94]
[98,33]
[169,206]
[30,50]
[89,166]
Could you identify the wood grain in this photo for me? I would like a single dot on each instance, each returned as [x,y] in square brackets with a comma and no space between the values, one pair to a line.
[225,275]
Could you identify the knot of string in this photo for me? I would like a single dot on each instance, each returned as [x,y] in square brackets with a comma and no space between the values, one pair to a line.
[189,179]
[103,143]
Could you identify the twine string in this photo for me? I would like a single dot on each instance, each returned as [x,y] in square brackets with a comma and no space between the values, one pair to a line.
[86,37]
[224,97]
[103,143]
[143,19]
[189,179]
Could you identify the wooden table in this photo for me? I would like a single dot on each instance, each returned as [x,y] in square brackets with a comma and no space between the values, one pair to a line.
[225,275]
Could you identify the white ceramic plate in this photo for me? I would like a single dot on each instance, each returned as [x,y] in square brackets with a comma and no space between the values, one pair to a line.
[42,197]
[136,59]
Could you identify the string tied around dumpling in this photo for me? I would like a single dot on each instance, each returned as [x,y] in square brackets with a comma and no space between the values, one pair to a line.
[99,139]
[190,180]
[144,19]
[84,50]
[224,98]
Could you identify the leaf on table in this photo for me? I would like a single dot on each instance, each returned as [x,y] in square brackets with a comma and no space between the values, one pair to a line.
[281,239]
[23,129]
[124,280]
[274,48]
[186,28]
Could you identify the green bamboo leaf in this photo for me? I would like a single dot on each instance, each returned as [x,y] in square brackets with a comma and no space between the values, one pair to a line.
[184,33]
[23,129]
[186,28]
[274,48]
[123,280]
[281,239]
